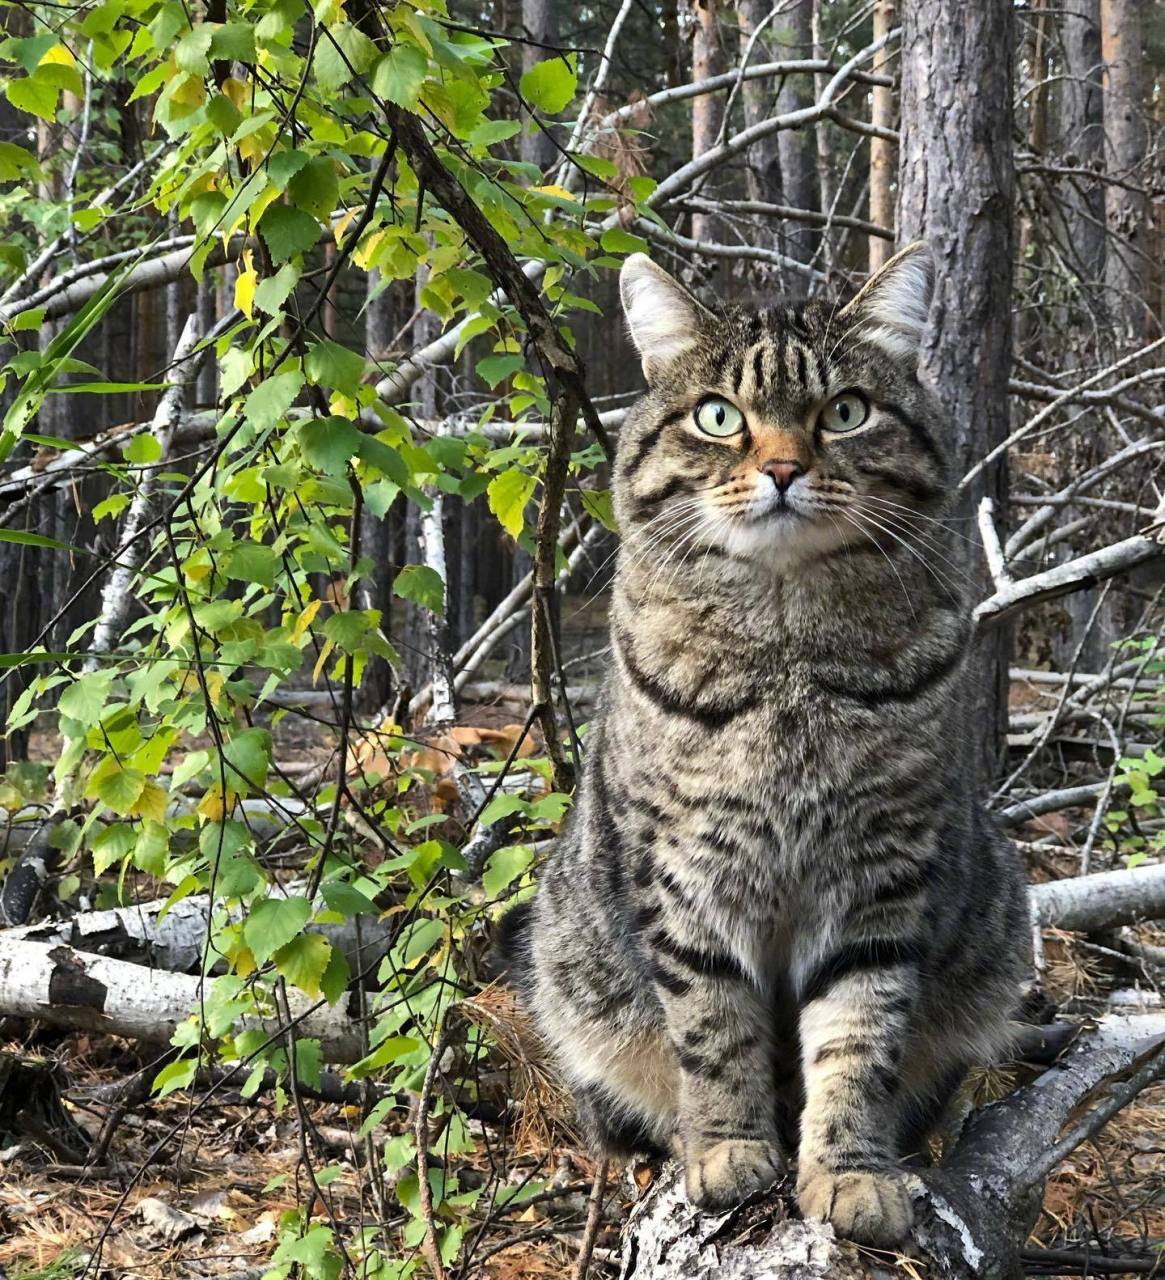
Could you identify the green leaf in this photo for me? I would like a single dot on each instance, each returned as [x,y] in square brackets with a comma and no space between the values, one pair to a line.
[342,52]
[348,901]
[119,788]
[252,562]
[85,699]
[192,52]
[422,585]
[616,240]
[549,85]
[599,506]
[174,1076]
[315,188]
[249,754]
[271,399]
[400,74]
[272,293]
[328,443]
[143,449]
[504,867]
[273,923]
[508,495]
[335,366]
[495,369]
[233,42]
[287,231]
[303,962]
[308,1062]
[223,114]
[34,95]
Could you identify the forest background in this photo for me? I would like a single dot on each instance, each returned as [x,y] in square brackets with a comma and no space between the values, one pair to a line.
[313,372]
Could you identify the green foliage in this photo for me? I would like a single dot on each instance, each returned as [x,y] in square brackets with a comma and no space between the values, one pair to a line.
[274,132]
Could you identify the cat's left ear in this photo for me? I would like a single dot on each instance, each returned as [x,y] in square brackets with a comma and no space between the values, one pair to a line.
[664,319]
[892,307]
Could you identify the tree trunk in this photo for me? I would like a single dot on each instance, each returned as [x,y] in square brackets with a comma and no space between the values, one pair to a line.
[762,173]
[955,185]
[708,109]
[797,146]
[1126,137]
[882,151]
[1082,135]
[539,23]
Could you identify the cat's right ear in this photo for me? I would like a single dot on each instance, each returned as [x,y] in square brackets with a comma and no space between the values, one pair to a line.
[664,320]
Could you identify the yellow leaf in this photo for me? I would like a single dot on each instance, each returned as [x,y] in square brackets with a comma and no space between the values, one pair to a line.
[553,189]
[60,55]
[189,90]
[151,803]
[343,223]
[324,652]
[237,91]
[305,619]
[211,806]
[246,282]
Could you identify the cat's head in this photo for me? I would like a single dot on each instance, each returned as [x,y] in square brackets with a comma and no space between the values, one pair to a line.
[780,434]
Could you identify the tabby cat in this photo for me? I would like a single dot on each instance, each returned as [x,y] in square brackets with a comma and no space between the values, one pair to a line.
[779,921]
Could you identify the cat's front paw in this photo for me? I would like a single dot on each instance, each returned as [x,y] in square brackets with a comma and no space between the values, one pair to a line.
[866,1206]
[721,1177]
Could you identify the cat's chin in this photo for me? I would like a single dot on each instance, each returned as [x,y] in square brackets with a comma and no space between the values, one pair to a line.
[780,542]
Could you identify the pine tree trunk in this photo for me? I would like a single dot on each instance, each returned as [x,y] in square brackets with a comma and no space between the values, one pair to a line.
[540,23]
[707,110]
[1081,139]
[762,174]
[797,146]
[955,184]
[882,151]
[1126,138]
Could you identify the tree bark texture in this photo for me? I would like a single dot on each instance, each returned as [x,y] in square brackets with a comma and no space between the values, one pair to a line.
[881,149]
[707,111]
[762,171]
[955,185]
[1082,134]
[797,146]
[540,23]
[1126,138]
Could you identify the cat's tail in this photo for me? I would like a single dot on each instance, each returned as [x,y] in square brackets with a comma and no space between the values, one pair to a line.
[511,956]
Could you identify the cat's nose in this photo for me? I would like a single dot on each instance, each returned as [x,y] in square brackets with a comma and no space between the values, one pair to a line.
[782,472]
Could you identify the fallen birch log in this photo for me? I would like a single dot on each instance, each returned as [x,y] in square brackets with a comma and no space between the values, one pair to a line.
[67,988]
[972,1213]
[142,935]
[1092,904]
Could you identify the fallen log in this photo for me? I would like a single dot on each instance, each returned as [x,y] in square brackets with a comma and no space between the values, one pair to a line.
[1092,904]
[176,940]
[66,988]
[972,1213]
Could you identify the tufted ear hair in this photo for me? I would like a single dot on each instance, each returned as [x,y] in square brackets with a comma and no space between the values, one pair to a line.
[664,319]
[892,308]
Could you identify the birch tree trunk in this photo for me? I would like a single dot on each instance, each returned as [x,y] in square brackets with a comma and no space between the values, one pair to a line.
[955,185]
[1126,137]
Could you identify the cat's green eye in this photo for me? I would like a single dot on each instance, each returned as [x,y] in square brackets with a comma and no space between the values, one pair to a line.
[717,417]
[844,412]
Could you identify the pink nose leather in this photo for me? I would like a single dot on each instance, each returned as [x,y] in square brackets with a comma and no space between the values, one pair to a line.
[782,472]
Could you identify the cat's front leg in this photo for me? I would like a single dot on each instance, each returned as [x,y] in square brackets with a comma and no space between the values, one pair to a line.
[721,1030]
[854,1015]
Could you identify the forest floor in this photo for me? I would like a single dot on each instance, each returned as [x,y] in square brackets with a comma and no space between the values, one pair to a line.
[231,1168]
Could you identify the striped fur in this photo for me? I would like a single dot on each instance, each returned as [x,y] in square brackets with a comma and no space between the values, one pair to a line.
[779,923]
